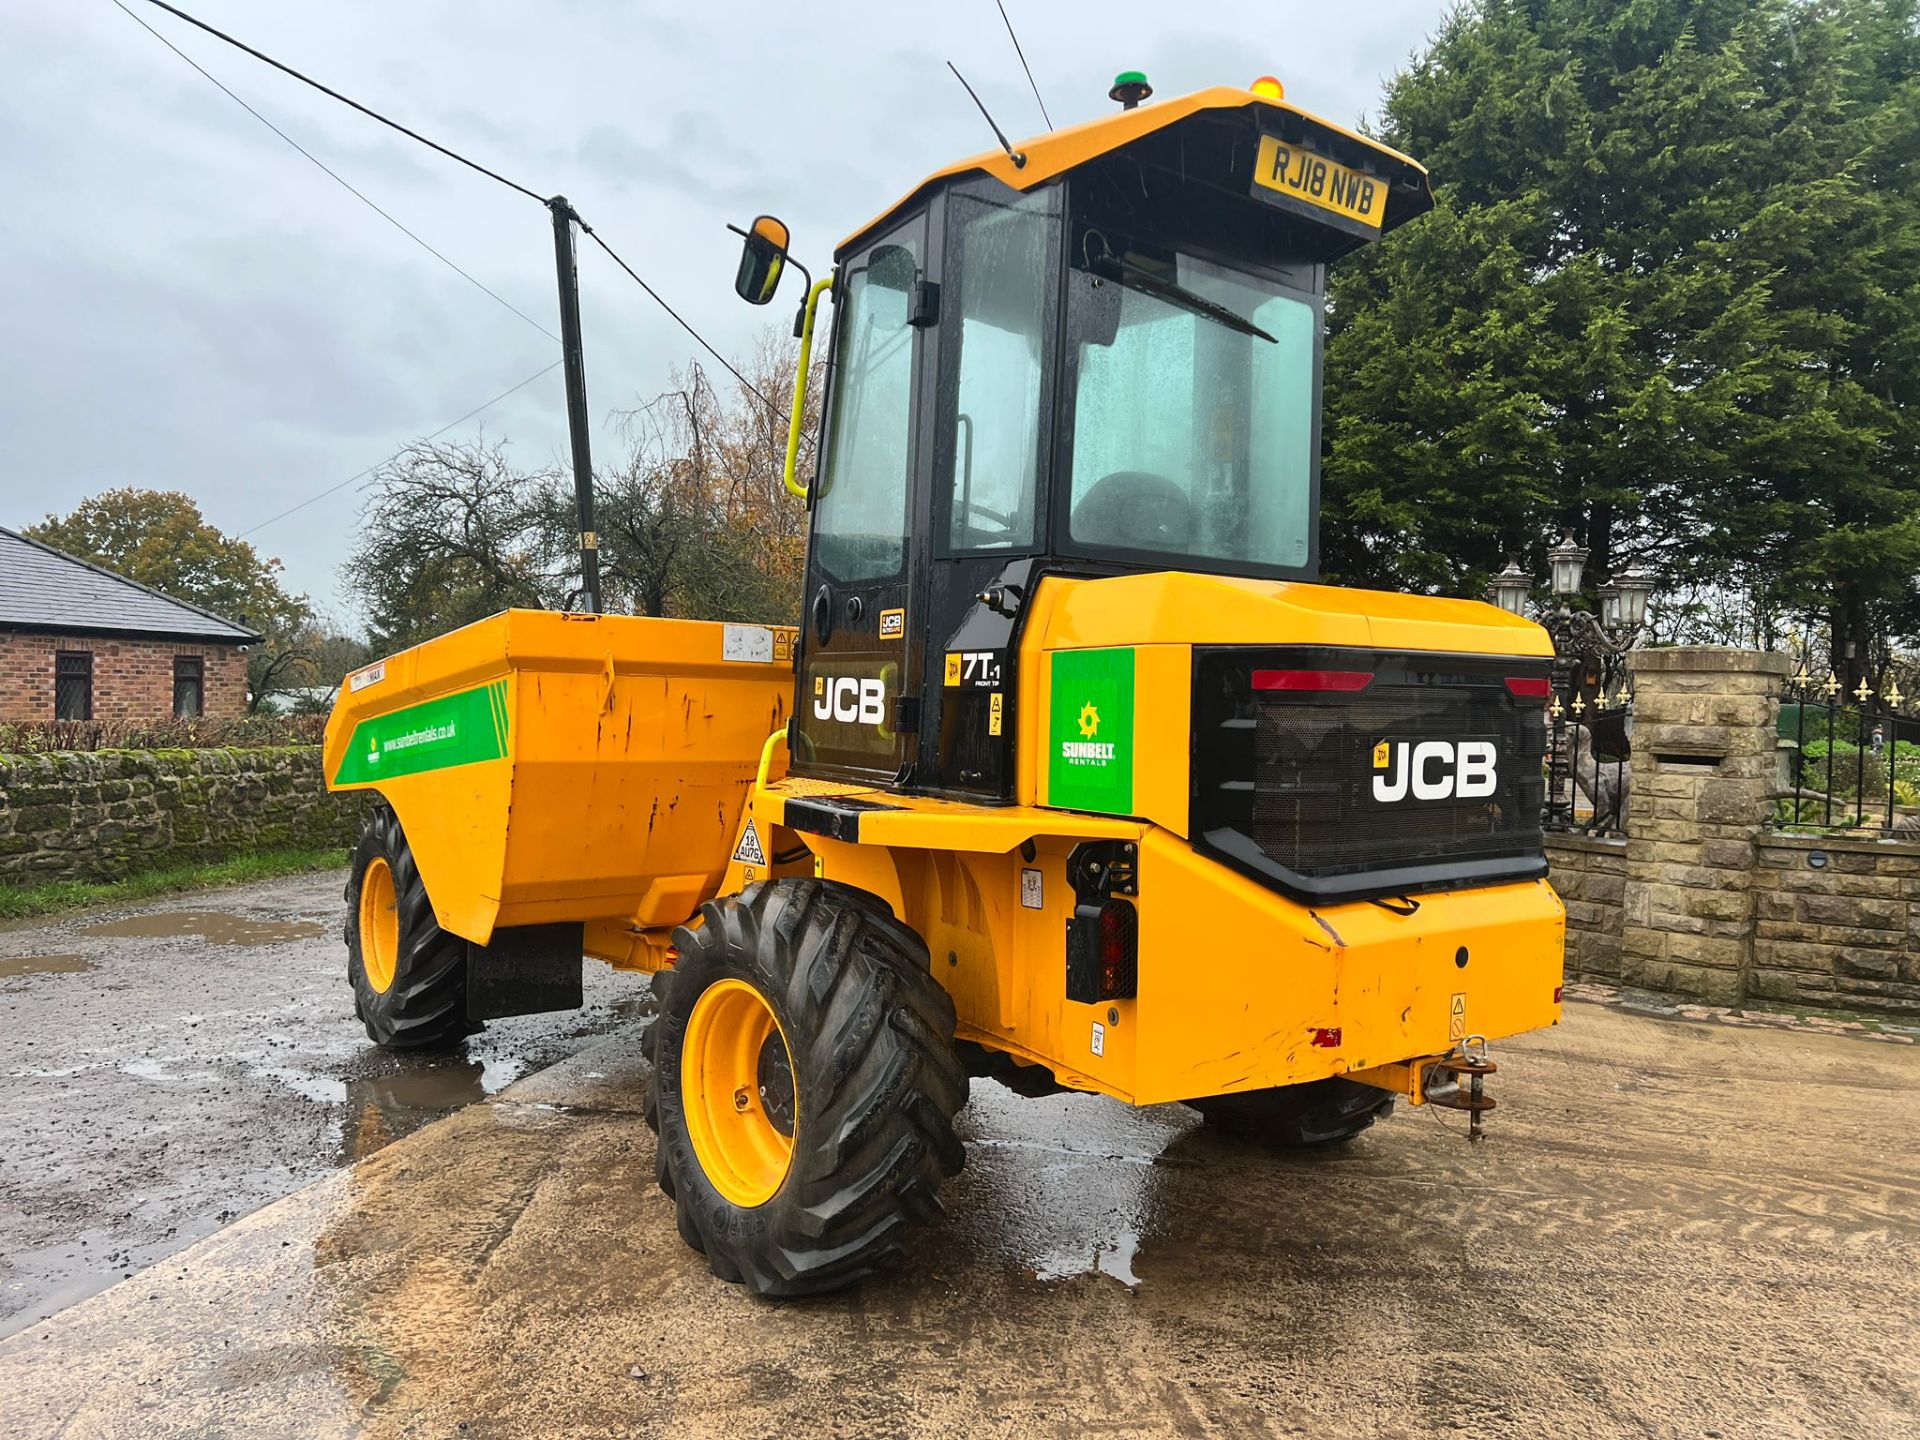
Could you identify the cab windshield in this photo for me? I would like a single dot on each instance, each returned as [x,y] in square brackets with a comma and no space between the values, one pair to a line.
[1192,404]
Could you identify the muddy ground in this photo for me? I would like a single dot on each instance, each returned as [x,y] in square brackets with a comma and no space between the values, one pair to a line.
[1676,1229]
[168,1067]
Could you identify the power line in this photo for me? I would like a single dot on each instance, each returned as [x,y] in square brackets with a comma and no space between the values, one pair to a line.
[1023,64]
[475,165]
[451,424]
[746,384]
[335,175]
[347,100]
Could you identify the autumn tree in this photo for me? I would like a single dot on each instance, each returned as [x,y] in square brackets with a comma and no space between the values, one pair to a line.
[693,520]
[160,539]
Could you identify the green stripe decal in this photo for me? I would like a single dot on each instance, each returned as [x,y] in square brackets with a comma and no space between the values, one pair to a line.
[458,729]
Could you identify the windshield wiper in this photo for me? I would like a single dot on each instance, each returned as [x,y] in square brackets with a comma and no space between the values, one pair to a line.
[1136,278]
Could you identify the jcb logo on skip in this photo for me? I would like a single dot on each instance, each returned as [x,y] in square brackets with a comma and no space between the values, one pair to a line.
[1434,770]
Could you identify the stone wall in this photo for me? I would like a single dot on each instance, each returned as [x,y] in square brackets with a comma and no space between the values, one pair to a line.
[1704,762]
[132,678]
[1837,923]
[104,814]
[1702,899]
[1590,874]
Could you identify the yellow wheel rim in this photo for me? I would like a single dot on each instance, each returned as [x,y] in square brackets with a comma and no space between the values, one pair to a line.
[736,1084]
[379,926]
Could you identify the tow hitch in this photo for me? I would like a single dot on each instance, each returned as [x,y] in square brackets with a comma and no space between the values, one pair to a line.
[1470,1062]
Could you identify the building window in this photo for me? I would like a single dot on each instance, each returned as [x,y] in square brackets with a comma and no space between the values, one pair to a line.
[73,685]
[189,685]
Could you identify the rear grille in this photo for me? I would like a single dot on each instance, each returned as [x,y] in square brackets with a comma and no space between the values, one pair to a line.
[1284,780]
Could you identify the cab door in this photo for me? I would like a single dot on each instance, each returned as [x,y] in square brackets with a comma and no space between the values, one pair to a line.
[856,662]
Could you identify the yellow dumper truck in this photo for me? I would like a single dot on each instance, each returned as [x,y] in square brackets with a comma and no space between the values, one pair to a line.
[1071,775]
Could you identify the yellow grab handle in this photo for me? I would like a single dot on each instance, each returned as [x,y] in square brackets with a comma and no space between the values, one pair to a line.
[798,418]
[774,742]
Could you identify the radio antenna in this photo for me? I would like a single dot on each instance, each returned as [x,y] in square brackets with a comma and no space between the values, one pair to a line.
[1023,63]
[1019,160]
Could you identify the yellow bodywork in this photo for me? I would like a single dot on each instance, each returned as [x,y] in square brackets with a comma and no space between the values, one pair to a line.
[1045,157]
[629,747]
[637,755]
[1240,987]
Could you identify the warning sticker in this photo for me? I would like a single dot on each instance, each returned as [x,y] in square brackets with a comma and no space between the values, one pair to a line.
[1099,1038]
[752,644]
[748,851]
[1032,894]
[996,712]
[1457,1022]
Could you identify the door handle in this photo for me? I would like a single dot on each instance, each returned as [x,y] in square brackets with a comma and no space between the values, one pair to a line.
[822,614]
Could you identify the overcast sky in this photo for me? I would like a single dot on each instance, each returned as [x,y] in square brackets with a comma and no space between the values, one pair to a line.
[187,303]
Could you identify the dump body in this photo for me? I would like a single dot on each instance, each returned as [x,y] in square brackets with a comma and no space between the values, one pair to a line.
[555,767]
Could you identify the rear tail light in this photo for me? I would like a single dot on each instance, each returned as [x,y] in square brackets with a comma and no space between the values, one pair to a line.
[1338,680]
[1529,687]
[1103,952]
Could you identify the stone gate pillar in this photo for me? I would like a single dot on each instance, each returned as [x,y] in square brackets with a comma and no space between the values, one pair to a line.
[1703,773]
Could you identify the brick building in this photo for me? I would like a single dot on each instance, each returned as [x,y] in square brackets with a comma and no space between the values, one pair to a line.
[81,643]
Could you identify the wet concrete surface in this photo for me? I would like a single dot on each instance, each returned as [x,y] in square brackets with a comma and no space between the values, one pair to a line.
[170,1067]
[1674,1230]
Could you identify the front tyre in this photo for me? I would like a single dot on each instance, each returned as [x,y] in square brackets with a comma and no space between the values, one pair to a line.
[804,1086]
[409,976]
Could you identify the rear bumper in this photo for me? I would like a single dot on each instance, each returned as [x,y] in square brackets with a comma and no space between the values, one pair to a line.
[1242,988]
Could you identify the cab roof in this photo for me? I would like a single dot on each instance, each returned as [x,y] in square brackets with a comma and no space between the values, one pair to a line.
[1055,153]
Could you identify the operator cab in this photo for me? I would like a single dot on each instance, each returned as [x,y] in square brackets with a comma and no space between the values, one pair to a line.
[1097,353]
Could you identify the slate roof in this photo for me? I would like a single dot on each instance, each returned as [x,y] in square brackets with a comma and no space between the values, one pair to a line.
[43,589]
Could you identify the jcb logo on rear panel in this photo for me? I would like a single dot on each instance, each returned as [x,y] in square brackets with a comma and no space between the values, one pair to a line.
[1429,770]
[848,699]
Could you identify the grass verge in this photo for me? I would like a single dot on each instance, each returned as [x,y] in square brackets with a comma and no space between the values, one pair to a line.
[19,902]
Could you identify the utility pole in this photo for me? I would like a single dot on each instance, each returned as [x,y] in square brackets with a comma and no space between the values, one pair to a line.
[575,357]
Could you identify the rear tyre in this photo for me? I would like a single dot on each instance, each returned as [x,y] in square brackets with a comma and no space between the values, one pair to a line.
[1298,1117]
[804,1087]
[409,976]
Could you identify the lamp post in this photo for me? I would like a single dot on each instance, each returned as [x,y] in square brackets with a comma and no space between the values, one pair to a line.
[1579,638]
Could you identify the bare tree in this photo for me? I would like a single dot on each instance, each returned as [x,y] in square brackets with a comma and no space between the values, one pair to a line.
[450,534]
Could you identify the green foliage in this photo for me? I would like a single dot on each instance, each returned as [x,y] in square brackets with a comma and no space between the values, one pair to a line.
[159,538]
[20,901]
[1665,300]
[250,732]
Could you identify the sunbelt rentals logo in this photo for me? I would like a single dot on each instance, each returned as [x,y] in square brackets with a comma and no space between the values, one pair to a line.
[1090,731]
[1089,749]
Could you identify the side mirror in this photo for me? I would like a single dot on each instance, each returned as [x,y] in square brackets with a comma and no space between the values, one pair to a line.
[763,256]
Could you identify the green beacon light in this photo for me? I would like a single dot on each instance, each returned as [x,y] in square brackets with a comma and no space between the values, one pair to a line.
[1130,87]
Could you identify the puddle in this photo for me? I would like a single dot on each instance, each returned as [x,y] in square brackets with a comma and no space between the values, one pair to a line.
[44,965]
[1070,1181]
[1114,1259]
[214,926]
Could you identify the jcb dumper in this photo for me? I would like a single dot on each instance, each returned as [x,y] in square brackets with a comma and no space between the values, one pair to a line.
[1071,776]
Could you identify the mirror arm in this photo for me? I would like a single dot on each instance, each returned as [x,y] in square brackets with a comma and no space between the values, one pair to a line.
[797,421]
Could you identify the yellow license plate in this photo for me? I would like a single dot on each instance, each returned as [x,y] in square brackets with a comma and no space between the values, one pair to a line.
[1299,174]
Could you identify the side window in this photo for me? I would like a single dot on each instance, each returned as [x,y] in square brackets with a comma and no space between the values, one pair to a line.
[73,685]
[860,512]
[189,686]
[1006,259]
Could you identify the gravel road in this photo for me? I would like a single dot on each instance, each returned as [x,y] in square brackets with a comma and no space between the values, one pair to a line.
[1674,1229]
